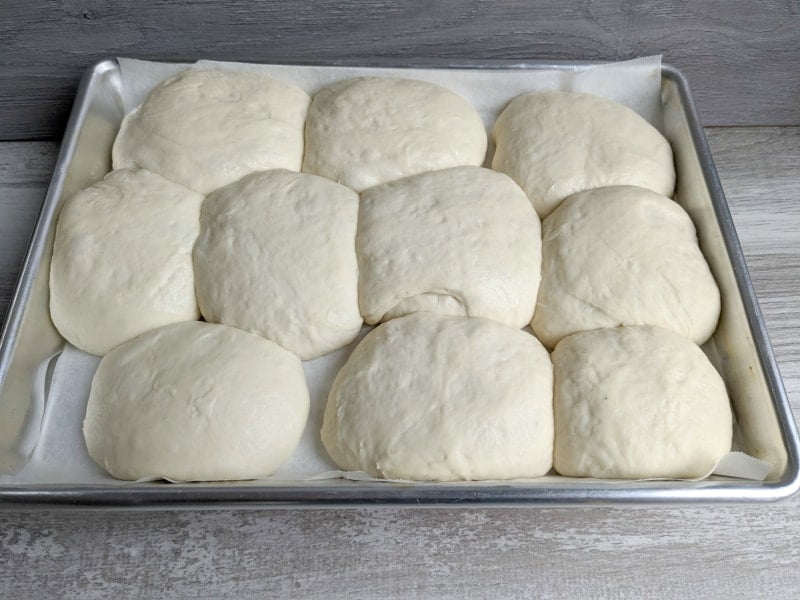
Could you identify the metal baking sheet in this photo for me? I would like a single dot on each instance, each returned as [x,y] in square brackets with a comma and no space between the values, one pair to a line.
[740,348]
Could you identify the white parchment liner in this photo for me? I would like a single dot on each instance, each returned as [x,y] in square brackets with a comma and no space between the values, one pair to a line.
[58,451]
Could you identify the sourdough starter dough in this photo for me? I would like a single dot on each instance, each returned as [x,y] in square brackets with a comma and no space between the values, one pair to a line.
[440,398]
[207,128]
[623,256]
[369,130]
[637,402]
[276,256]
[122,260]
[462,241]
[196,402]
[557,143]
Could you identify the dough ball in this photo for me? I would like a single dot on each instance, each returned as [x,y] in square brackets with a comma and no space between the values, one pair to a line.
[207,128]
[196,402]
[122,260]
[557,143]
[276,256]
[623,256]
[370,130]
[440,398]
[462,241]
[637,402]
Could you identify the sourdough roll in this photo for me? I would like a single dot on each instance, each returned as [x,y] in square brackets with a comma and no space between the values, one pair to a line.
[206,128]
[623,256]
[441,398]
[196,402]
[635,403]
[276,256]
[557,143]
[122,259]
[461,241]
[369,130]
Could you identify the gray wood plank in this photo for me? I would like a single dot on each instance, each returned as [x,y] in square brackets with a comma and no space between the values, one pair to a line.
[740,57]
[25,171]
[640,552]
[729,552]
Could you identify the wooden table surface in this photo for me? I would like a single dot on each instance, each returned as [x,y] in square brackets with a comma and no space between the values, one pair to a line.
[743,67]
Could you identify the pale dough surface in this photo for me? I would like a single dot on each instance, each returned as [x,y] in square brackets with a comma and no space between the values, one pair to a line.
[366,131]
[122,260]
[623,256]
[441,398]
[276,256]
[207,128]
[462,241]
[557,143]
[636,403]
[196,402]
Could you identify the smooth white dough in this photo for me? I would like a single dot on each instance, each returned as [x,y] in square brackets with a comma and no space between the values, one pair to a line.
[369,130]
[461,241]
[623,256]
[554,144]
[196,402]
[207,128]
[276,256]
[440,398]
[122,260]
[636,403]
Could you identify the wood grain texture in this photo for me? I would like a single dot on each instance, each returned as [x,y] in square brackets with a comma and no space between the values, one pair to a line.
[741,58]
[428,553]
[25,171]
[633,552]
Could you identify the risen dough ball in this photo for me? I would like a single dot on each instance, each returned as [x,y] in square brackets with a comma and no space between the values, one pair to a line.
[623,256]
[122,260]
[462,241]
[637,402]
[367,131]
[207,128]
[276,256]
[196,402]
[557,143]
[439,398]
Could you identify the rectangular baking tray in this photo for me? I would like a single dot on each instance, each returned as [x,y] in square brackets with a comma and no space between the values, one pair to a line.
[740,348]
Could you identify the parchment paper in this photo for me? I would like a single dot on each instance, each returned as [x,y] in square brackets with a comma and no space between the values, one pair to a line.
[59,453]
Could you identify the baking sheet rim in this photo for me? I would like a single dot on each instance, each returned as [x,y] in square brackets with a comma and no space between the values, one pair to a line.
[351,493]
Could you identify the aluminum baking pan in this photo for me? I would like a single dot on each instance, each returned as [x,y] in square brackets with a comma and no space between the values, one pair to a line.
[740,347]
